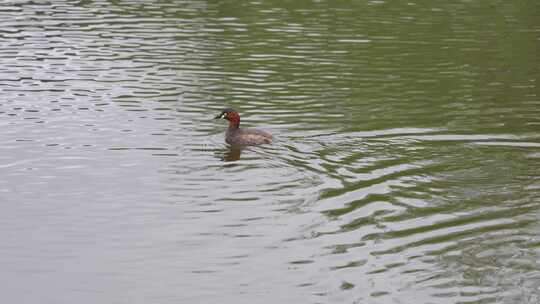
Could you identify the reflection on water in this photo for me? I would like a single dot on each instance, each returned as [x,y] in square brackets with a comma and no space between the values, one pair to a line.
[406,170]
[231,154]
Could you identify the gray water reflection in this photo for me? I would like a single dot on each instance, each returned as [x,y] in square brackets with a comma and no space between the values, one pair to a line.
[405,166]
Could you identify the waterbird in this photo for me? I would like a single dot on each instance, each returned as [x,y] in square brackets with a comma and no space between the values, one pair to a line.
[242,136]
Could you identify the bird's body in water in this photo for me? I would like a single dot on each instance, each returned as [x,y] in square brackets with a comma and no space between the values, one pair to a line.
[241,136]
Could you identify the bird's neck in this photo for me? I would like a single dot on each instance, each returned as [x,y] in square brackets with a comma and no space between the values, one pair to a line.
[234,123]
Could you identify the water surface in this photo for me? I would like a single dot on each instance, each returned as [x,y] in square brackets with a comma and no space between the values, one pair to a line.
[405,167]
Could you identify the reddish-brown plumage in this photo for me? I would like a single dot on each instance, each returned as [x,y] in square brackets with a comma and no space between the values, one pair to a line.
[234,119]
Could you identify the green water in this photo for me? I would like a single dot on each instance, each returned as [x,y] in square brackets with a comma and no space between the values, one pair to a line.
[405,167]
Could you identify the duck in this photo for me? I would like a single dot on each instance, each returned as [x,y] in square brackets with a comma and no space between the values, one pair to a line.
[242,136]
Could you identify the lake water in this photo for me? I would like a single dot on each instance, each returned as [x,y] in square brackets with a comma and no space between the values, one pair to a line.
[406,165]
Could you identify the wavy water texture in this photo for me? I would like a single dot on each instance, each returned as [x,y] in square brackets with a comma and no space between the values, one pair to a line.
[405,166]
